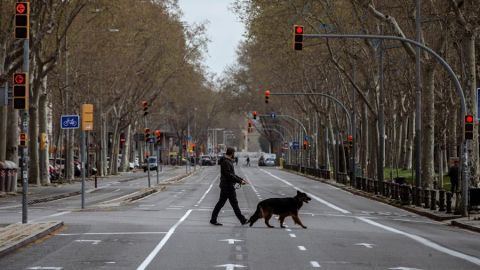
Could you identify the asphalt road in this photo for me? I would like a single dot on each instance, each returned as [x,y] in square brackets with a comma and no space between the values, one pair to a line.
[170,230]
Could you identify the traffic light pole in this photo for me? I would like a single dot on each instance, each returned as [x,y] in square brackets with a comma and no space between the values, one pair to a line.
[24,129]
[146,151]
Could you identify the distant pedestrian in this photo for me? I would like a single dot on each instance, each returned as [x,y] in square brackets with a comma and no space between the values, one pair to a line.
[453,173]
[228,179]
[248,161]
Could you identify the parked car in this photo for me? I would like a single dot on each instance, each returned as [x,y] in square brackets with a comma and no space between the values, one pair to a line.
[206,161]
[152,164]
[269,162]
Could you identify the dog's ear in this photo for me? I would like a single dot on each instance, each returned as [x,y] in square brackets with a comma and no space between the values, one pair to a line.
[298,192]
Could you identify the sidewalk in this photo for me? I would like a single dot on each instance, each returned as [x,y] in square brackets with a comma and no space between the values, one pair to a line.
[17,235]
[472,223]
[40,194]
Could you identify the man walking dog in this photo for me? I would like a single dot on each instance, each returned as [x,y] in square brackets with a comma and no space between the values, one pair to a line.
[228,179]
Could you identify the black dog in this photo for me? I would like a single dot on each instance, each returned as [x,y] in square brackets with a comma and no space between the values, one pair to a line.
[283,207]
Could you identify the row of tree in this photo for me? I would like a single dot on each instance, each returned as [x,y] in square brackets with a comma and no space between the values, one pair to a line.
[114,55]
[335,67]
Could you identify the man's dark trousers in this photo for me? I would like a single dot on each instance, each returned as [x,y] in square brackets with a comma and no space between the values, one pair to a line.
[227,193]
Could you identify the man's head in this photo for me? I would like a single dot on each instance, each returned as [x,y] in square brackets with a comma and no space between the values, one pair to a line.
[230,152]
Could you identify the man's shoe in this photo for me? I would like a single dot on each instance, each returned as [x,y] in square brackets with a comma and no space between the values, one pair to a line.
[215,223]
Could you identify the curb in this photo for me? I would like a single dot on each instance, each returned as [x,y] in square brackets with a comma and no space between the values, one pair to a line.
[465,226]
[30,238]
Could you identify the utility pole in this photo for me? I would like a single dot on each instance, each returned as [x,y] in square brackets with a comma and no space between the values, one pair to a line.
[418,98]
[381,123]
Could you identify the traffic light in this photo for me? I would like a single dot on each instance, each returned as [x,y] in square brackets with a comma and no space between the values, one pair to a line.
[193,147]
[350,140]
[254,115]
[185,146]
[22,24]
[20,91]
[146,132]
[305,144]
[298,37]
[468,127]
[23,140]
[157,136]
[267,96]
[249,124]
[145,108]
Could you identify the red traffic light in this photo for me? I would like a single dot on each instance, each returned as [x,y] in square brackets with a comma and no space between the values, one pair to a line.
[350,138]
[299,29]
[469,119]
[157,133]
[19,78]
[267,93]
[21,8]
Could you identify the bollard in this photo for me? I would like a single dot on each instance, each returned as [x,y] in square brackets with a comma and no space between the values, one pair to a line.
[414,195]
[95,181]
[375,187]
[419,197]
[426,198]
[441,200]
[449,202]
[433,199]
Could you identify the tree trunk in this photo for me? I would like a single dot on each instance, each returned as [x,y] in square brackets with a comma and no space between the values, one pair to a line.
[12,144]
[470,90]
[43,119]
[428,125]
[126,150]
[411,137]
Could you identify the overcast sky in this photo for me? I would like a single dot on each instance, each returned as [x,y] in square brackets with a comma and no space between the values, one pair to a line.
[224,30]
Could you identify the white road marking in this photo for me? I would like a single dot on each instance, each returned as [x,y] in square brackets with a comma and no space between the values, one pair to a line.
[110,262]
[367,245]
[164,240]
[116,190]
[424,242]
[173,208]
[404,268]
[146,205]
[288,230]
[119,198]
[238,248]
[231,241]
[292,235]
[309,194]
[46,267]
[53,215]
[315,264]
[302,248]
[94,242]
[230,266]
[208,190]
[110,233]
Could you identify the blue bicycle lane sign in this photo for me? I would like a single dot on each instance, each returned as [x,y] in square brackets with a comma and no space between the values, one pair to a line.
[70,121]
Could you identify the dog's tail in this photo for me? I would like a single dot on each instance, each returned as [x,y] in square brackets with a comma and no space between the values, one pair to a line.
[255,216]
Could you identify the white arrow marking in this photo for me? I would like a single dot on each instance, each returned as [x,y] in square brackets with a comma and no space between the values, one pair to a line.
[404,268]
[231,241]
[230,266]
[46,268]
[94,242]
[367,245]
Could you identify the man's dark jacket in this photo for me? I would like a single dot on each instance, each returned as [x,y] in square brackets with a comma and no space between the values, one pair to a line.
[228,178]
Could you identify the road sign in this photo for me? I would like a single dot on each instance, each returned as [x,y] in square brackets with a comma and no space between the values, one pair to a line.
[70,121]
[87,117]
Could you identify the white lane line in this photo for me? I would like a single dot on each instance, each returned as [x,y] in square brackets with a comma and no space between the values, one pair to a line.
[288,230]
[309,194]
[109,233]
[94,242]
[208,190]
[315,264]
[424,242]
[53,215]
[46,268]
[302,248]
[164,240]
[292,235]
